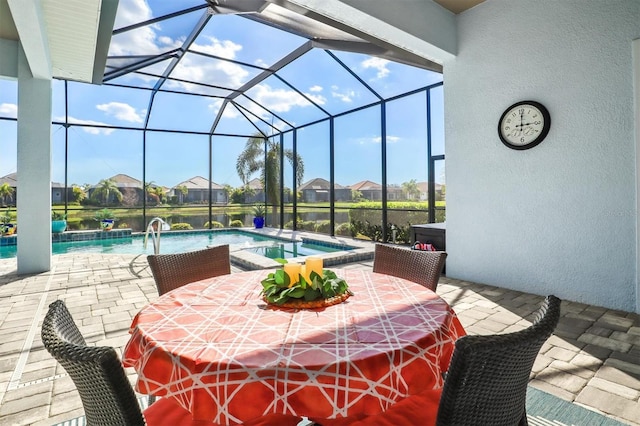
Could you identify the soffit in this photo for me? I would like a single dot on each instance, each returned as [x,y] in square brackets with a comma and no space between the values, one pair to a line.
[72,34]
[458,6]
[7,27]
[77,34]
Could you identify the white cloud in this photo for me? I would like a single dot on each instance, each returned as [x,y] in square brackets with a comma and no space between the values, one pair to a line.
[91,130]
[261,63]
[9,110]
[225,48]
[315,88]
[139,41]
[345,96]
[229,111]
[281,100]
[121,111]
[378,139]
[378,64]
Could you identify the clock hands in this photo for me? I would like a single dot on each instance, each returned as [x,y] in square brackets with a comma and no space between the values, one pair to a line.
[521,117]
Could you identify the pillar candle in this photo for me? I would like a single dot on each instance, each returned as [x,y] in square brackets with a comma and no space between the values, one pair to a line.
[314,264]
[304,273]
[293,270]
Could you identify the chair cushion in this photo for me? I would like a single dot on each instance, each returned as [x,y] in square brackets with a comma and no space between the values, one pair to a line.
[420,409]
[166,411]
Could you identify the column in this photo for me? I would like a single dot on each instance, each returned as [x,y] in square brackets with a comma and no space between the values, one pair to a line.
[33,195]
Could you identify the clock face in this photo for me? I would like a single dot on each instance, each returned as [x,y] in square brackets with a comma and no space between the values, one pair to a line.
[524,125]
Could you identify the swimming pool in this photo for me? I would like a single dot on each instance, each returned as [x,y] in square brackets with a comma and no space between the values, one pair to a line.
[186,241]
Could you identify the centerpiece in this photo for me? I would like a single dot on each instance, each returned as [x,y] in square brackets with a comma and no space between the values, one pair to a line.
[305,286]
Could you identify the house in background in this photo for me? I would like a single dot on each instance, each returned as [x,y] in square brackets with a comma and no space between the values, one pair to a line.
[198,191]
[394,193]
[57,191]
[317,190]
[257,193]
[370,190]
[424,191]
[373,191]
[131,189]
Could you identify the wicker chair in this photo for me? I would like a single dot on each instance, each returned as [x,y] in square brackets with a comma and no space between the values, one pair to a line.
[487,379]
[422,267]
[175,270]
[105,391]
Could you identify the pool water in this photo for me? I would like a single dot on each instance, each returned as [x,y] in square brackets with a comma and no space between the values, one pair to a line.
[181,242]
[288,250]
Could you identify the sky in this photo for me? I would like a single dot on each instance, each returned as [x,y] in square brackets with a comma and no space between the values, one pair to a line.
[96,152]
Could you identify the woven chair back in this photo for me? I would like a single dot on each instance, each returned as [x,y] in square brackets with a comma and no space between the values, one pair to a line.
[422,267]
[175,270]
[487,379]
[106,393]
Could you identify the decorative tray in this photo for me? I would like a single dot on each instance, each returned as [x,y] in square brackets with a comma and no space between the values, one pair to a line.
[306,286]
[310,304]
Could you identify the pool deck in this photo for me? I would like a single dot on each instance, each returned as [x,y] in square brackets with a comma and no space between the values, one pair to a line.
[592,360]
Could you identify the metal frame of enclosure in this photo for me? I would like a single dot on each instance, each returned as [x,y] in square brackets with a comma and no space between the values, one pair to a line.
[123,65]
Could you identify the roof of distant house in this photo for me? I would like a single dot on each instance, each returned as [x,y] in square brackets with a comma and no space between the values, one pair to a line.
[198,182]
[255,183]
[318,184]
[366,185]
[12,180]
[124,181]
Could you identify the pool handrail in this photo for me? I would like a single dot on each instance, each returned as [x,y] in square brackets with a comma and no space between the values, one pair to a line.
[155,233]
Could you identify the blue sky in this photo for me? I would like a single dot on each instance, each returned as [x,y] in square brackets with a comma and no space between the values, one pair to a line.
[96,153]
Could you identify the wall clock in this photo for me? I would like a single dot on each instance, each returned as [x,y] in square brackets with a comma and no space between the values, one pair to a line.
[524,125]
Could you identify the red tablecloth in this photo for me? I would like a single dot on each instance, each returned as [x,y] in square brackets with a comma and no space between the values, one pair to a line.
[220,352]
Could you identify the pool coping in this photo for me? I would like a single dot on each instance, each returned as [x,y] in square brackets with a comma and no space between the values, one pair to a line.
[362,250]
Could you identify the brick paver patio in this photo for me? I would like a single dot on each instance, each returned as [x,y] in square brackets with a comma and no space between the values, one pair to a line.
[593,359]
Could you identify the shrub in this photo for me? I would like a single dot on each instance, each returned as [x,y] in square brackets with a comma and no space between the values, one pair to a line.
[214,224]
[181,226]
[344,229]
[236,224]
[123,225]
[322,226]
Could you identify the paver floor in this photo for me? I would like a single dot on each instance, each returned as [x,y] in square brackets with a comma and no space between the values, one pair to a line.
[593,359]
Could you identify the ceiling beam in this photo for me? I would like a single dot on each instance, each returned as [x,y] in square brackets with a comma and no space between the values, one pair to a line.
[357,18]
[103,38]
[29,20]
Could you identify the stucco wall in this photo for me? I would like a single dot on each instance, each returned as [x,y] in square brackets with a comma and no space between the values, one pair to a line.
[559,218]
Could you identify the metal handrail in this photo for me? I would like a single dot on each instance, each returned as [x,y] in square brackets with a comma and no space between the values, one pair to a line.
[155,233]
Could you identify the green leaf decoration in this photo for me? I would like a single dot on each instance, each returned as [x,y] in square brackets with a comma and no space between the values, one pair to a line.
[277,288]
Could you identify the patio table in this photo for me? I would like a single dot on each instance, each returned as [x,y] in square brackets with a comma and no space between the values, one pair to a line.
[222,353]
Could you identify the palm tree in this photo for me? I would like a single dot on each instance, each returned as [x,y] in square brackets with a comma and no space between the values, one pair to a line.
[253,159]
[150,192]
[79,194]
[6,192]
[159,192]
[106,188]
[411,189]
[182,191]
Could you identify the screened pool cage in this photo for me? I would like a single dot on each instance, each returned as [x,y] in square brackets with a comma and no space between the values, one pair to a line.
[207,111]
